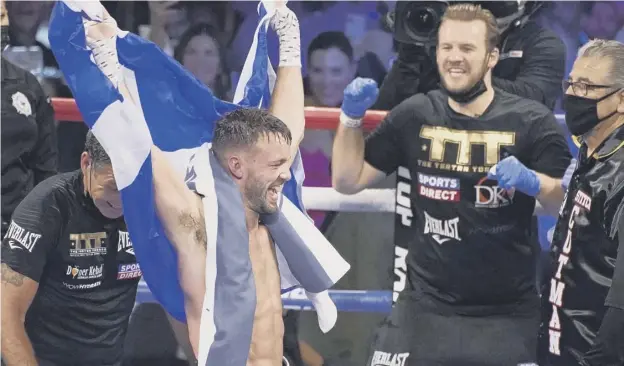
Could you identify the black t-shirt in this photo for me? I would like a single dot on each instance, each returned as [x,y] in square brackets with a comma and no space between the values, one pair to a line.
[86,270]
[584,251]
[466,241]
[29,148]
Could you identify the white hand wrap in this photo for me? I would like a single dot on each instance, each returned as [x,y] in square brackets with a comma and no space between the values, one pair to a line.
[286,25]
[105,53]
[350,122]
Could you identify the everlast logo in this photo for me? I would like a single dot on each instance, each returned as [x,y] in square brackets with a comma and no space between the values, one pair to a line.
[442,230]
[389,359]
[125,243]
[19,238]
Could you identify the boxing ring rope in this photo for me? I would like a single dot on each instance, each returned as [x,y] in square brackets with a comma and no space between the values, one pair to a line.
[317,118]
[315,198]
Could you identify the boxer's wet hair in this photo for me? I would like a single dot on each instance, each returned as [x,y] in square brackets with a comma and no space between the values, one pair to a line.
[242,128]
[96,152]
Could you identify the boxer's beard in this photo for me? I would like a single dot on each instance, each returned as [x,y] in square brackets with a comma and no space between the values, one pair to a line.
[257,200]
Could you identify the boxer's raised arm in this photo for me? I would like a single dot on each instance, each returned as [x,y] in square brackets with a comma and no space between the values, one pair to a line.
[178,208]
[287,100]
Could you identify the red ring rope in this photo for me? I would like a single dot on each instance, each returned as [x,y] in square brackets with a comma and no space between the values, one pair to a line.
[65,110]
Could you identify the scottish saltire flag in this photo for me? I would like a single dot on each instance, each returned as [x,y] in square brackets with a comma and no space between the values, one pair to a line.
[171,109]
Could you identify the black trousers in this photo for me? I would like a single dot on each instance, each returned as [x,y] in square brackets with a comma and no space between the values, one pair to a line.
[416,336]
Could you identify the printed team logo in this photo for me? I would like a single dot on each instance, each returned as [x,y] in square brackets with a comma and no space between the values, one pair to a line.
[124,243]
[438,188]
[90,273]
[442,230]
[491,196]
[19,238]
[129,271]
[87,244]
[389,359]
[21,104]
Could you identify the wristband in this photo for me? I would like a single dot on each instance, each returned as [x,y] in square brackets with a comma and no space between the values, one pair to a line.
[350,122]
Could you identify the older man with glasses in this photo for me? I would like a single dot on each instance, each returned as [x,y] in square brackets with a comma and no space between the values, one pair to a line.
[583,303]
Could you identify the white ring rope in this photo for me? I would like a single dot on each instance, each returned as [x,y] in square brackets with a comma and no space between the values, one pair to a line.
[369,200]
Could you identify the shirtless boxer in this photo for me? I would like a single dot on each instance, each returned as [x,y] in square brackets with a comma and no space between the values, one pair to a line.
[256,148]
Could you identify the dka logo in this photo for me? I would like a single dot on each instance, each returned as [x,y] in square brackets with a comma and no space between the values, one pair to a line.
[491,196]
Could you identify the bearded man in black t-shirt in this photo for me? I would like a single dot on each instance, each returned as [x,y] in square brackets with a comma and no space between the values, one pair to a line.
[478,159]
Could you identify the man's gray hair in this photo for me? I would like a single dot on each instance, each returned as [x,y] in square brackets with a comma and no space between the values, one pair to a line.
[96,151]
[610,49]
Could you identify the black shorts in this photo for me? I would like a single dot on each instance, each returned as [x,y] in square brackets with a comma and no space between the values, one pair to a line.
[416,336]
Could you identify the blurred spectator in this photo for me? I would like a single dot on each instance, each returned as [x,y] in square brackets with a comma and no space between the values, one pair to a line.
[353,18]
[219,14]
[331,68]
[381,44]
[601,20]
[200,52]
[564,19]
[26,18]
[168,20]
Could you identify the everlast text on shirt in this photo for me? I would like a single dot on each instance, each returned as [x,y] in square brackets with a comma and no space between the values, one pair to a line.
[20,239]
[441,230]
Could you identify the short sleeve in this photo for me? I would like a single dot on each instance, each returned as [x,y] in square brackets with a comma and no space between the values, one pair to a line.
[32,233]
[549,153]
[384,148]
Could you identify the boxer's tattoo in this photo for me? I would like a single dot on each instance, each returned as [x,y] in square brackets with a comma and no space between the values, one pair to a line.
[11,277]
[195,223]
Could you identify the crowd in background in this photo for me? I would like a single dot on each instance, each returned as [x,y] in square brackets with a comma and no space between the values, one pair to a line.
[340,41]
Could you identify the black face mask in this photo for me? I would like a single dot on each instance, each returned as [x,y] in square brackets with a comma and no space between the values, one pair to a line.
[581,114]
[472,93]
[467,96]
[4,40]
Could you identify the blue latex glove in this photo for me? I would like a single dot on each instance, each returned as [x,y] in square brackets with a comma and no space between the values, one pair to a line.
[511,173]
[565,181]
[359,95]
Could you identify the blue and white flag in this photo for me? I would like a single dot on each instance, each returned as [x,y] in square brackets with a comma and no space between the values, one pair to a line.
[170,108]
